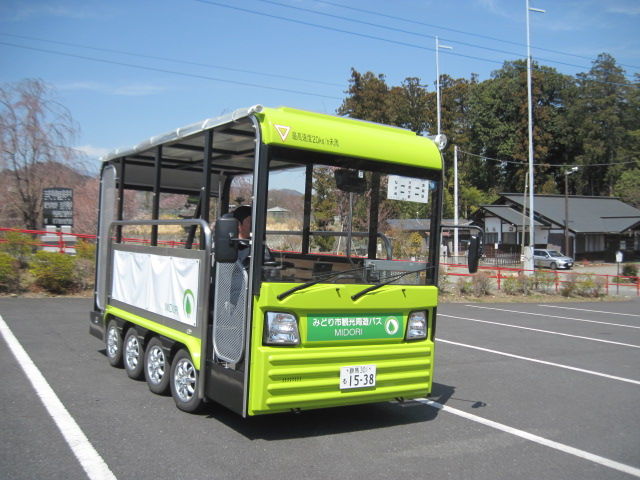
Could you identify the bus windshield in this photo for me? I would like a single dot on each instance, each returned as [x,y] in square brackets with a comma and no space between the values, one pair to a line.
[349,221]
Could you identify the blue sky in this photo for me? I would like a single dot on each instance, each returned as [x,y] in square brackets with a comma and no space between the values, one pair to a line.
[130,70]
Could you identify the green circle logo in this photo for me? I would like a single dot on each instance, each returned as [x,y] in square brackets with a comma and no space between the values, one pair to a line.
[391,326]
[188,303]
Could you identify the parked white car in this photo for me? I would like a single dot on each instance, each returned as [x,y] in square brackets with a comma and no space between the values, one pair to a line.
[552,259]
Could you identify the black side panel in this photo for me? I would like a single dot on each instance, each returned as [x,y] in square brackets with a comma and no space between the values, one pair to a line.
[225,386]
[96,327]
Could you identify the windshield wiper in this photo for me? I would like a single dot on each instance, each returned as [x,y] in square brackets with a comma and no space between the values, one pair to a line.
[386,282]
[329,276]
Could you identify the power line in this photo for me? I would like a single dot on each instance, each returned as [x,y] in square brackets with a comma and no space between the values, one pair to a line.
[409,32]
[167,59]
[363,35]
[173,72]
[554,165]
[339,30]
[477,35]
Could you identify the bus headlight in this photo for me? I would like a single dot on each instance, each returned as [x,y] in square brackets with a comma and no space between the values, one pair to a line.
[281,329]
[417,325]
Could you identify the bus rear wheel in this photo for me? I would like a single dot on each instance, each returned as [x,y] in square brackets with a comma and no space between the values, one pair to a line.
[184,382]
[113,344]
[133,355]
[156,367]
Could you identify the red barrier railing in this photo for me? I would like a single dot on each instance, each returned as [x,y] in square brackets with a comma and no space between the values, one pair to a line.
[560,278]
[499,274]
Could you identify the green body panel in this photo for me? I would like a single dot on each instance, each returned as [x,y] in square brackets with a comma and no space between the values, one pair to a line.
[293,128]
[307,376]
[193,344]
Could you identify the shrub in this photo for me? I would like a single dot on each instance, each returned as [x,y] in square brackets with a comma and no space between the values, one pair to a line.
[630,270]
[85,273]
[481,284]
[510,285]
[9,273]
[86,250]
[464,286]
[54,272]
[589,286]
[517,285]
[18,245]
[569,287]
[543,281]
[444,282]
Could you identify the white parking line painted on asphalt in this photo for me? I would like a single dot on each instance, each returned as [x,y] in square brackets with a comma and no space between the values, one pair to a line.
[595,311]
[542,331]
[554,316]
[543,362]
[605,462]
[90,460]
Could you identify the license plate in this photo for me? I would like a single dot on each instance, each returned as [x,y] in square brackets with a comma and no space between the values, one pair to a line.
[357,376]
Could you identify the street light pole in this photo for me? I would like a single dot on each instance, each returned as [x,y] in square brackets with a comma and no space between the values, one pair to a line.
[455,200]
[566,208]
[438,47]
[529,257]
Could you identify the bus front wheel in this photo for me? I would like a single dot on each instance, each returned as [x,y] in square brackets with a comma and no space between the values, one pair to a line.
[184,382]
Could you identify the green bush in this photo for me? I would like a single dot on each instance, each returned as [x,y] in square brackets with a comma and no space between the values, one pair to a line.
[543,281]
[9,273]
[86,250]
[517,285]
[18,245]
[589,286]
[630,270]
[54,272]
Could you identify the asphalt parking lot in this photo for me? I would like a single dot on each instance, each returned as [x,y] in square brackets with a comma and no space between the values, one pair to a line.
[522,391]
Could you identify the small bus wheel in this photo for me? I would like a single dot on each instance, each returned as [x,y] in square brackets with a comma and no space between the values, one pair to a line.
[156,367]
[133,355]
[113,344]
[184,382]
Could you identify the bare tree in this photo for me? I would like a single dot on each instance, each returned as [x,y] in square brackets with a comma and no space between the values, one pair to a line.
[36,132]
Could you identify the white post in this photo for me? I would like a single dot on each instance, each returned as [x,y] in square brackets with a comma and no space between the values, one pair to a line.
[529,255]
[438,47]
[455,200]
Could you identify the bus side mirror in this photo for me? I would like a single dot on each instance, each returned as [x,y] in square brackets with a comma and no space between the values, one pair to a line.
[475,250]
[225,237]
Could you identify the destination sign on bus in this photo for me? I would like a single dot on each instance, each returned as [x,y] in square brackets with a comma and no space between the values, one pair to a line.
[329,327]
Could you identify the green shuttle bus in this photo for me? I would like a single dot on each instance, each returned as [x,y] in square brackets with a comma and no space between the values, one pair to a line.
[331,300]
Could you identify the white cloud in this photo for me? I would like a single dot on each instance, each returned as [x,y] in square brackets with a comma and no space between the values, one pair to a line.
[130,90]
[19,11]
[624,8]
[93,152]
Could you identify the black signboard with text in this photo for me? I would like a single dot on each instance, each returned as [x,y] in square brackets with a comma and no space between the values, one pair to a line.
[57,206]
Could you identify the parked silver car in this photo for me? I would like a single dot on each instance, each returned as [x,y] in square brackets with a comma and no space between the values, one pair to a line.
[552,259]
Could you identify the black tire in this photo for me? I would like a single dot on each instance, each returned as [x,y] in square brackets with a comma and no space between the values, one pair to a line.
[184,382]
[553,266]
[133,354]
[113,344]
[157,367]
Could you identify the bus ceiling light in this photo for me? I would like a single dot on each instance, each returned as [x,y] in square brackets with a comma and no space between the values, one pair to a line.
[417,325]
[281,329]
